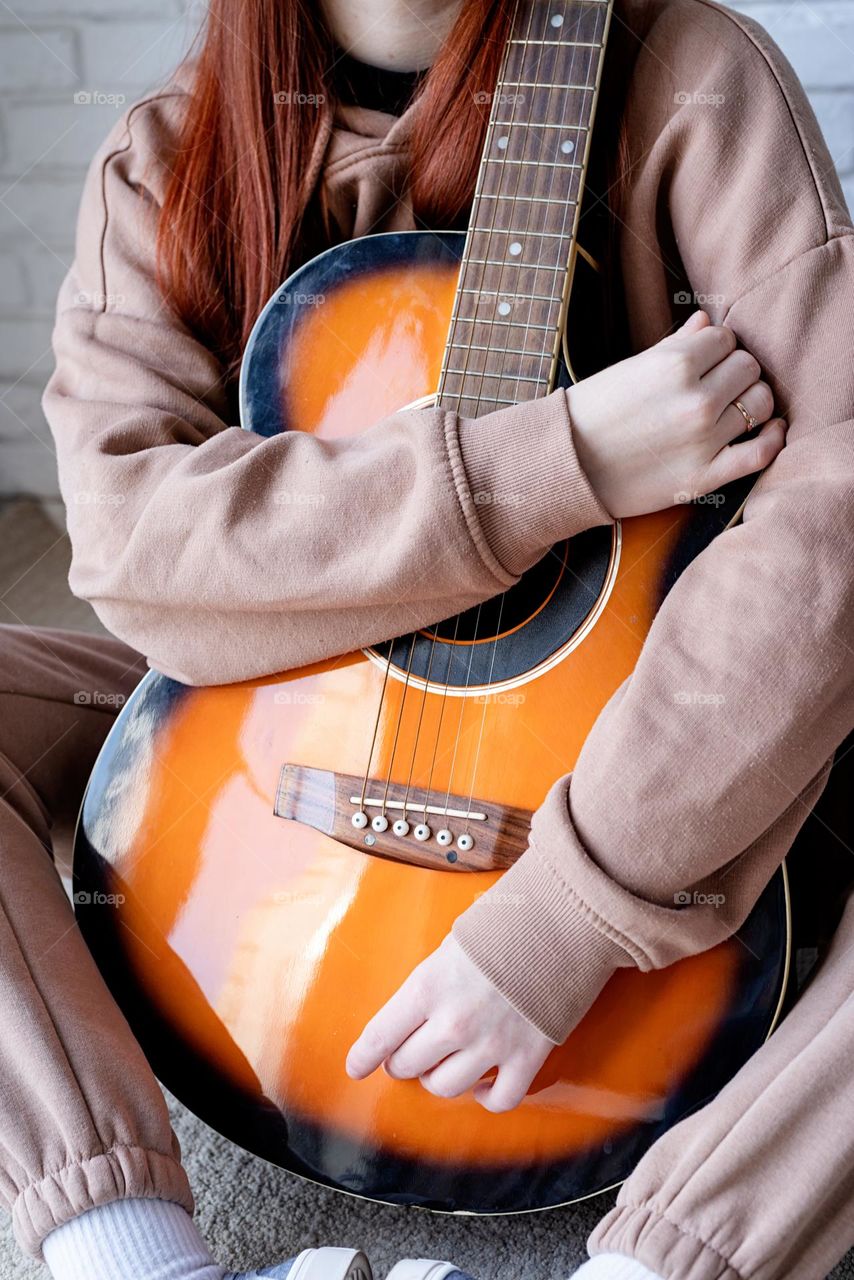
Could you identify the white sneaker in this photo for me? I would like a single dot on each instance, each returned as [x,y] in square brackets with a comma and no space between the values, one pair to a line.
[314,1264]
[426,1269]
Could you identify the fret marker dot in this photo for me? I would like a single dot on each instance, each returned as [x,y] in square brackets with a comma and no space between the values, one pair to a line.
[567,147]
[504,308]
[557,20]
[502,144]
[515,248]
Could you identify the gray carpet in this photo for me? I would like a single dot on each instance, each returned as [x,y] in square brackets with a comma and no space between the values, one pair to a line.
[249,1211]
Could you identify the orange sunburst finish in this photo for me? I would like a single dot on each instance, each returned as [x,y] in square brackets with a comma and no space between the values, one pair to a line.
[266,945]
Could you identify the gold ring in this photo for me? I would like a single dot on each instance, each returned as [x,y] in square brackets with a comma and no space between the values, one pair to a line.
[748,417]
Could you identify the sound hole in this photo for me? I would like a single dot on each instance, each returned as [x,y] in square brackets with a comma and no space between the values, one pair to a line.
[513,609]
[507,639]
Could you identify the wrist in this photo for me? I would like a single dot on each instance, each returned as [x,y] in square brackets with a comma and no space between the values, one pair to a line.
[528,487]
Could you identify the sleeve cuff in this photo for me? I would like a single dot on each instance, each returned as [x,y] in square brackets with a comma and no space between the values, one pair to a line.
[551,932]
[544,954]
[528,488]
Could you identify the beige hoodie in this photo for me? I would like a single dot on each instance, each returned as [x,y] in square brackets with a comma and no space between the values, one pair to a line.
[187,556]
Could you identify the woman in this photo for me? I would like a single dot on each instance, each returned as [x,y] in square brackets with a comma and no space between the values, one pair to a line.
[199,203]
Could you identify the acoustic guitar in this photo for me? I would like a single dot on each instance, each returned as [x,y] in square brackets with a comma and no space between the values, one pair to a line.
[259,866]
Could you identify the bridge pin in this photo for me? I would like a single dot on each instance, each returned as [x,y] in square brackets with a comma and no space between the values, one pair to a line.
[422,831]
[359,820]
[465,842]
[380,822]
[444,837]
[401,827]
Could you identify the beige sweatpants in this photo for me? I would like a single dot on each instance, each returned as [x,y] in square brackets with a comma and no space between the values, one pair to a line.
[759,1184]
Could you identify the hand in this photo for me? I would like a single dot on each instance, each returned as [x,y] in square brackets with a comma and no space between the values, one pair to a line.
[657,426]
[447,1026]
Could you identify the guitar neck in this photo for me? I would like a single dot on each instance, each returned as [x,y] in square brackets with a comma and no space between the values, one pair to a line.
[505,334]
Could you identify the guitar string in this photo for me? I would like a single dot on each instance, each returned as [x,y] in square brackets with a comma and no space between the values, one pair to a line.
[508,235]
[493,124]
[398,725]
[570,206]
[376,727]
[532,199]
[453,648]
[479,397]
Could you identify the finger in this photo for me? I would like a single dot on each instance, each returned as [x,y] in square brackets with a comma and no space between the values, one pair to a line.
[457,1073]
[695,321]
[385,1032]
[737,460]
[424,1049]
[729,379]
[708,347]
[509,1087]
[758,400]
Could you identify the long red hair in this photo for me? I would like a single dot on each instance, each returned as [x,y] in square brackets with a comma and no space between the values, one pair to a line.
[239,213]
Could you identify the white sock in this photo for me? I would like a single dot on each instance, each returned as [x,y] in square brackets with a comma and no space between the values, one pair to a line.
[136,1239]
[614,1266]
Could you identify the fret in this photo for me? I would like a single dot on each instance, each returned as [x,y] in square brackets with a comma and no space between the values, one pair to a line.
[535,200]
[569,44]
[532,372]
[531,266]
[547,277]
[543,124]
[508,377]
[583,27]
[583,88]
[499,227]
[522,312]
[506,351]
[502,293]
[569,103]
[515,260]
[506,326]
[530,180]
[541,164]
[492,400]
[539,58]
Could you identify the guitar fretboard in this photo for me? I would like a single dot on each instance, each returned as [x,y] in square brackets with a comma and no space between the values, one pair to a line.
[505,331]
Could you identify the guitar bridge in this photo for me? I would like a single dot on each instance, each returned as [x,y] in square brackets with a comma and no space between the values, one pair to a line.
[408,824]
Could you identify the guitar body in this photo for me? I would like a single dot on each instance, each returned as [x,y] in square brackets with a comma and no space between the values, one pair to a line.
[250,929]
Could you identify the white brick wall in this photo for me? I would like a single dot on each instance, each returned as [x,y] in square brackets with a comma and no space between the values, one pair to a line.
[51,49]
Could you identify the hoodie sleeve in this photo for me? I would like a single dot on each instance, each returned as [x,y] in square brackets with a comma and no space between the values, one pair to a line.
[185,535]
[701,769]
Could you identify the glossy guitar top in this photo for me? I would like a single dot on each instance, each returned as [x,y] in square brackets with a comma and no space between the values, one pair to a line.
[257,928]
